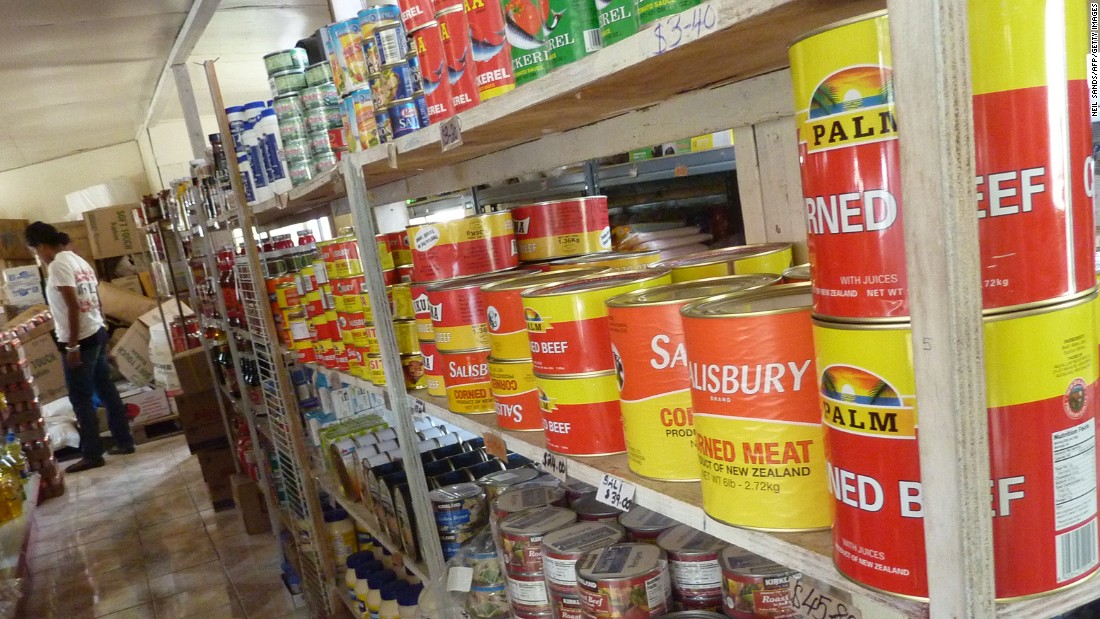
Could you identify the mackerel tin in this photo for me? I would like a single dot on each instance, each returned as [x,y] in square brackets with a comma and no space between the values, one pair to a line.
[650,11]
[416,13]
[433,72]
[618,19]
[454,29]
[492,52]
[525,20]
[574,28]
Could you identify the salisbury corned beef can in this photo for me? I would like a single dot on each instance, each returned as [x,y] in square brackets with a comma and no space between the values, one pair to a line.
[492,52]
[504,310]
[454,29]
[612,261]
[624,581]
[521,537]
[468,246]
[755,587]
[581,415]
[567,322]
[647,344]
[458,312]
[562,228]
[693,566]
[515,394]
[466,377]
[757,417]
[740,260]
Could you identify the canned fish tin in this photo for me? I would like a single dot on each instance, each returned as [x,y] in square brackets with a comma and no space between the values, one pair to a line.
[740,260]
[458,312]
[285,82]
[393,47]
[361,114]
[492,52]
[522,499]
[521,535]
[460,513]
[693,563]
[433,370]
[466,376]
[396,80]
[590,509]
[404,117]
[412,366]
[296,151]
[292,128]
[797,273]
[322,95]
[647,345]
[287,106]
[377,15]
[562,228]
[319,143]
[515,394]
[370,54]
[433,72]
[567,322]
[624,581]
[318,73]
[499,482]
[347,38]
[468,246]
[612,261]
[751,356]
[422,109]
[382,122]
[580,415]
[285,60]
[504,310]
[416,14]
[527,594]
[618,19]
[575,35]
[525,20]
[650,11]
[755,587]
[645,526]
[454,30]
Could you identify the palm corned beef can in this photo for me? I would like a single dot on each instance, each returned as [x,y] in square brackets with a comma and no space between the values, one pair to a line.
[612,261]
[693,566]
[458,311]
[416,14]
[515,394]
[492,53]
[618,19]
[581,415]
[755,587]
[524,21]
[468,246]
[398,244]
[466,377]
[624,581]
[757,418]
[647,344]
[574,31]
[797,273]
[518,499]
[504,310]
[740,260]
[645,526]
[562,228]
[1041,387]
[454,30]
[521,537]
[433,72]
[433,369]
[567,322]
[561,550]
[589,509]
[422,311]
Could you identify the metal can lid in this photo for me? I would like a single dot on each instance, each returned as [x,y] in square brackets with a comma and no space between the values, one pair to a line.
[642,519]
[684,292]
[620,562]
[781,299]
[455,492]
[286,72]
[736,560]
[527,279]
[606,255]
[293,51]
[511,477]
[587,505]
[397,102]
[799,272]
[582,537]
[520,499]
[599,281]
[535,522]
[725,254]
[682,539]
[473,281]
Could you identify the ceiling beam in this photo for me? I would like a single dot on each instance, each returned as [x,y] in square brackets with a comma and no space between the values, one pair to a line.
[198,18]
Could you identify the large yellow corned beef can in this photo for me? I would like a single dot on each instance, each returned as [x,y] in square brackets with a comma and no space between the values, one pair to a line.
[740,260]
[612,261]
[647,344]
[758,425]
[1041,385]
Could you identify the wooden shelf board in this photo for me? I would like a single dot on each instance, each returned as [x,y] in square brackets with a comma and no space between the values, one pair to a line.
[318,192]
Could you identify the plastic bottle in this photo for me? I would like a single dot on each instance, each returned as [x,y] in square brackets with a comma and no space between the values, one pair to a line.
[407,601]
[353,561]
[15,450]
[341,534]
[374,590]
[389,608]
[362,576]
[271,143]
[411,578]
[387,558]
[364,538]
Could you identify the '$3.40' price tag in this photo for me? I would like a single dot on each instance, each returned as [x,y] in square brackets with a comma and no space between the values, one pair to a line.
[556,465]
[615,492]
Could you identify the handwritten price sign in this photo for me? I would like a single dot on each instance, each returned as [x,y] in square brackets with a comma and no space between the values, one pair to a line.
[556,465]
[450,133]
[419,408]
[819,602]
[615,492]
[682,28]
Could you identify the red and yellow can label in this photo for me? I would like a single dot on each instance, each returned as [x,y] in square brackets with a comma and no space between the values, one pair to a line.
[562,228]
[581,416]
[516,394]
[469,246]
[466,376]
[433,369]
[422,312]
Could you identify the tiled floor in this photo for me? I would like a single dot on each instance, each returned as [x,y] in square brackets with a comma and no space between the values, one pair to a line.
[137,539]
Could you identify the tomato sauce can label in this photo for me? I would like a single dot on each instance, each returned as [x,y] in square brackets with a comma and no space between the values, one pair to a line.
[562,228]
[466,376]
[433,369]
[468,246]
[492,52]
[516,394]
[651,10]
[567,322]
[755,587]
[618,19]
[525,20]
[581,416]
[422,312]
[433,73]
[454,30]
[574,31]
[757,417]
[416,13]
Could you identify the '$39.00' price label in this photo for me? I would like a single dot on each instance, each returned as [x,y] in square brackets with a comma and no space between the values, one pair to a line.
[615,492]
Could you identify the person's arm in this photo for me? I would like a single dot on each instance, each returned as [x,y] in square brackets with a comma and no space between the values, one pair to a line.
[72,307]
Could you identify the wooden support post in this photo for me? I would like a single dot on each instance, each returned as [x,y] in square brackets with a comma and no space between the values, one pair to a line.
[936,128]
[190,110]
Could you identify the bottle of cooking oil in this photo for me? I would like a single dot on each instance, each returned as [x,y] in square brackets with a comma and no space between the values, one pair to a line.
[14,448]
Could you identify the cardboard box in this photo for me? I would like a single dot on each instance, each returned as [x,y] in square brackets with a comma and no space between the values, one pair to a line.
[131,354]
[251,505]
[113,232]
[196,409]
[12,241]
[218,463]
[21,321]
[152,404]
[45,363]
[124,305]
[193,371]
[130,282]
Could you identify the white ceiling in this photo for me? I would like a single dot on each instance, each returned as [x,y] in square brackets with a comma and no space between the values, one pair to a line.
[80,75]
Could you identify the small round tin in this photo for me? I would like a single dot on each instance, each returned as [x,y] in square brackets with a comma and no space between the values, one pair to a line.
[296,150]
[590,510]
[294,58]
[610,578]
[288,106]
[319,73]
[404,117]
[521,537]
[319,96]
[382,122]
[498,483]
[644,525]
[284,82]
[393,46]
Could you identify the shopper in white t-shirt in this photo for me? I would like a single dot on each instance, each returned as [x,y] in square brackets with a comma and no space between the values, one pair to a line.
[72,292]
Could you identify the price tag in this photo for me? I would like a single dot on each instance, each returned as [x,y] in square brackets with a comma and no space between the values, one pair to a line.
[556,465]
[615,492]
[494,445]
[817,601]
[450,133]
[419,407]
[460,579]
[682,28]
[391,155]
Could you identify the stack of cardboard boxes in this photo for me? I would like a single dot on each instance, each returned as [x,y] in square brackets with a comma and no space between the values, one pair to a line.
[28,377]
[201,418]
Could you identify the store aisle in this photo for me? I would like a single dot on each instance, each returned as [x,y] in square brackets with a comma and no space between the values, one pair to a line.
[138,539]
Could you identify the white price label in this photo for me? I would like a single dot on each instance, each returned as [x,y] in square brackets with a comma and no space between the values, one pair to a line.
[450,133]
[419,407]
[556,465]
[615,492]
[818,601]
[391,155]
[460,579]
[682,28]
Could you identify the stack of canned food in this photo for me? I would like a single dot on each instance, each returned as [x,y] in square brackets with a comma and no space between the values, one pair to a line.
[310,116]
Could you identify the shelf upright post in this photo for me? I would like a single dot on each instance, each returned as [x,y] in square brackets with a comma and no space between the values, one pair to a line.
[591,177]
[398,398]
[931,59]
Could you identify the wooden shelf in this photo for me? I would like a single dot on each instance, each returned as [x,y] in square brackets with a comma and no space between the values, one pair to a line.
[319,191]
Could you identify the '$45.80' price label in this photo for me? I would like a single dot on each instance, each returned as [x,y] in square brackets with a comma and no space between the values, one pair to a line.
[810,602]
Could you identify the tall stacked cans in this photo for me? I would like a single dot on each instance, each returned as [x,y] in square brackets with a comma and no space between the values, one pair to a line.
[258,147]
[1034,182]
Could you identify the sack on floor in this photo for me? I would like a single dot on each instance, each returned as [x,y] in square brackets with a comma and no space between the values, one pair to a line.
[61,424]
